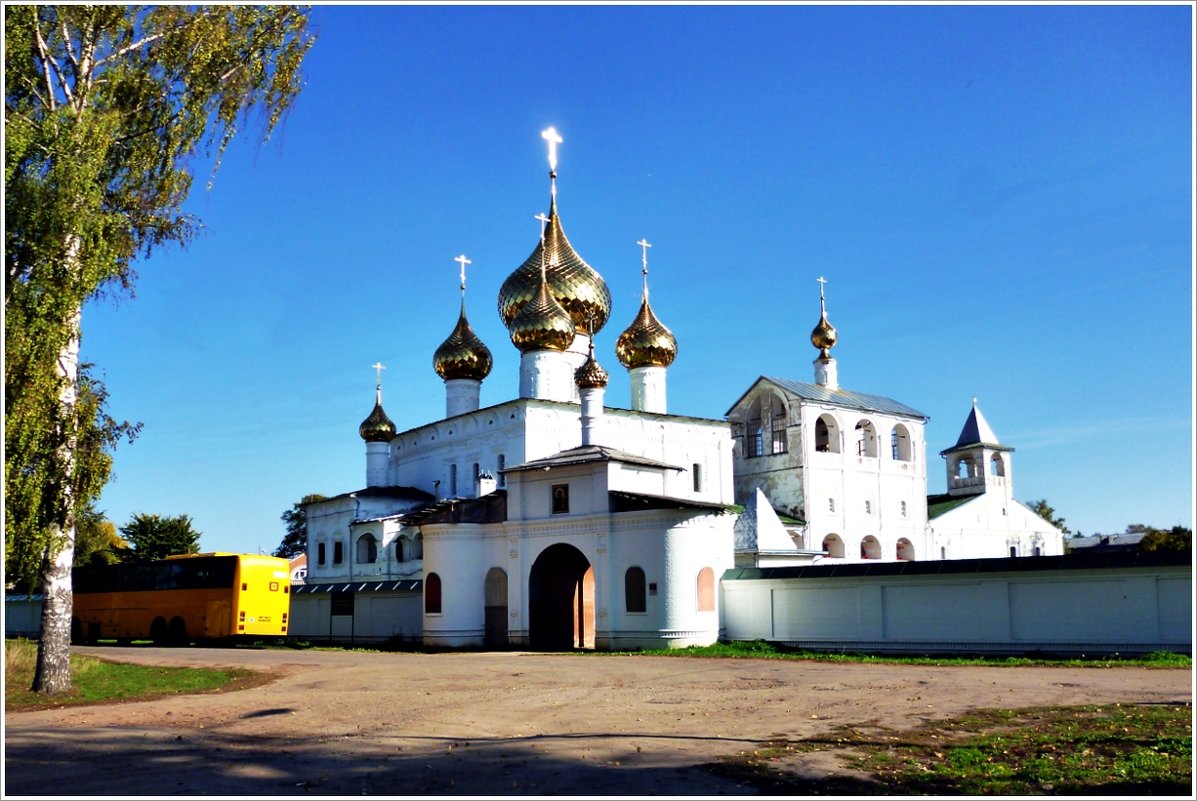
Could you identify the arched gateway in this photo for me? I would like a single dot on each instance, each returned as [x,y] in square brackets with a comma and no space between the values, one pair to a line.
[561,599]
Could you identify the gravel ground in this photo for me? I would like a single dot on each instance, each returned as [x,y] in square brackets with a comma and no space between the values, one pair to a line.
[485,724]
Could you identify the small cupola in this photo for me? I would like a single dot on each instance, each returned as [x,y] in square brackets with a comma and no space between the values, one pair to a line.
[824,337]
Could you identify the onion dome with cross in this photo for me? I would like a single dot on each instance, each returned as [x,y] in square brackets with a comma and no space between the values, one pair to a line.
[377,427]
[572,283]
[646,342]
[462,355]
[823,336]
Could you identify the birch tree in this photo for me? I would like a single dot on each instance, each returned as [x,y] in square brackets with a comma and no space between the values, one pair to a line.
[107,110]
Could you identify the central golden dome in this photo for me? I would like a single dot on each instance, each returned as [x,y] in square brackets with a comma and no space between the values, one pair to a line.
[541,323]
[462,355]
[574,284]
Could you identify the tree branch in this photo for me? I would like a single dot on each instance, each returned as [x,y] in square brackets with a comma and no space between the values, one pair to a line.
[46,63]
[147,40]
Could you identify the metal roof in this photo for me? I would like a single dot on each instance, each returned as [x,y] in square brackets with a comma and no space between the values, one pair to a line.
[1078,560]
[404,585]
[839,397]
[587,454]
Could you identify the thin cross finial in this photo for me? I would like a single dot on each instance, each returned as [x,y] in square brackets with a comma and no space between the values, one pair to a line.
[379,367]
[822,303]
[543,256]
[644,246]
[551,136]
[463,261]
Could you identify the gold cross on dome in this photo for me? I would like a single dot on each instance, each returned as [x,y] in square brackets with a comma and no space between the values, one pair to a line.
[378,366]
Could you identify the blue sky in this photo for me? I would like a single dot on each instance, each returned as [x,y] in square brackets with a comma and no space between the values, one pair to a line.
[998,196]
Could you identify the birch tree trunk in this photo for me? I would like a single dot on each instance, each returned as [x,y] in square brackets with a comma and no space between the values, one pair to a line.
[53,672]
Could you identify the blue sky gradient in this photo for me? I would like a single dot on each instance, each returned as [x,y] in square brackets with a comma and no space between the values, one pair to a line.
[1000,198]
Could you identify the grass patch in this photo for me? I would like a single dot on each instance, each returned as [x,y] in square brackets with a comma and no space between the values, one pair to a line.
[97,681]
[760,649]
[1112,749]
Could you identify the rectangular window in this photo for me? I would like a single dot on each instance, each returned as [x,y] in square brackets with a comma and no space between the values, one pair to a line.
[780,445]
[903,509]
[697,477]
[560,499]
[452,481]
[338,552]
[502,466]
[868,507]
[320,553]
[831,504]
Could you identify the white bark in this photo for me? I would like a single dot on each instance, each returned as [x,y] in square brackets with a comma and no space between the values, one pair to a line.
[53,672]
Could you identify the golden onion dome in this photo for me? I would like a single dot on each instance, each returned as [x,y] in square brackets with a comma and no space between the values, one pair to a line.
[462,355]
[579,289]
[591,374]
[541,323]
[823,337]
[646,342]
[377,427]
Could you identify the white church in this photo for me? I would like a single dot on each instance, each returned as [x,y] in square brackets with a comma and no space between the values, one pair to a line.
[555,521]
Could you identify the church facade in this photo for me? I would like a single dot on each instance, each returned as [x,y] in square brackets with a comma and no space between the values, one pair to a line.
[552,520]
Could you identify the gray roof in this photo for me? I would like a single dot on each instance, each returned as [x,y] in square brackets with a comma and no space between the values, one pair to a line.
[402,585]
[586,454]
[840,397]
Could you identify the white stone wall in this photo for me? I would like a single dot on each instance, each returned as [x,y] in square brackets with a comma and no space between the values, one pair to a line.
[1143,609]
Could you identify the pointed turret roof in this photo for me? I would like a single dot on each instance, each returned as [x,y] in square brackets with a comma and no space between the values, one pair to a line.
[976,430]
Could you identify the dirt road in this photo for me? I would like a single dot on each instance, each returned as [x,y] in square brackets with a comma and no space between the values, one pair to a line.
[342,723]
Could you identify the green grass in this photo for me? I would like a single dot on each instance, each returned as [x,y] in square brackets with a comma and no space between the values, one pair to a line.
[1113,749]
[759,649]
[97,681]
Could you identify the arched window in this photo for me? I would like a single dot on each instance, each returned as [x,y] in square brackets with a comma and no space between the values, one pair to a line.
[777,424]
[834,546]
[706,590]
[996,466]
[899,442]
[905,550]
[754,432]
[634,595]
[432,594]
[367,550]
[827,435]
[870,548]
[417,546]
[400,551]
[866,439]
[966,467]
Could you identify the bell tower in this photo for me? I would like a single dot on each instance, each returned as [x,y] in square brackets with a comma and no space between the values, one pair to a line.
[978,463]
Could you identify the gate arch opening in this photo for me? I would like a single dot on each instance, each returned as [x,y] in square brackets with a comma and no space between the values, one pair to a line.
[561,600]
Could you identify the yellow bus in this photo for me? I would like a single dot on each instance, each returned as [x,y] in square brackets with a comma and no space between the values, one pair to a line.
[173,601]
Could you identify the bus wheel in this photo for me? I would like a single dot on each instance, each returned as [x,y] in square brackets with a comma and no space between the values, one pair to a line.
[177,634]
[158,631]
